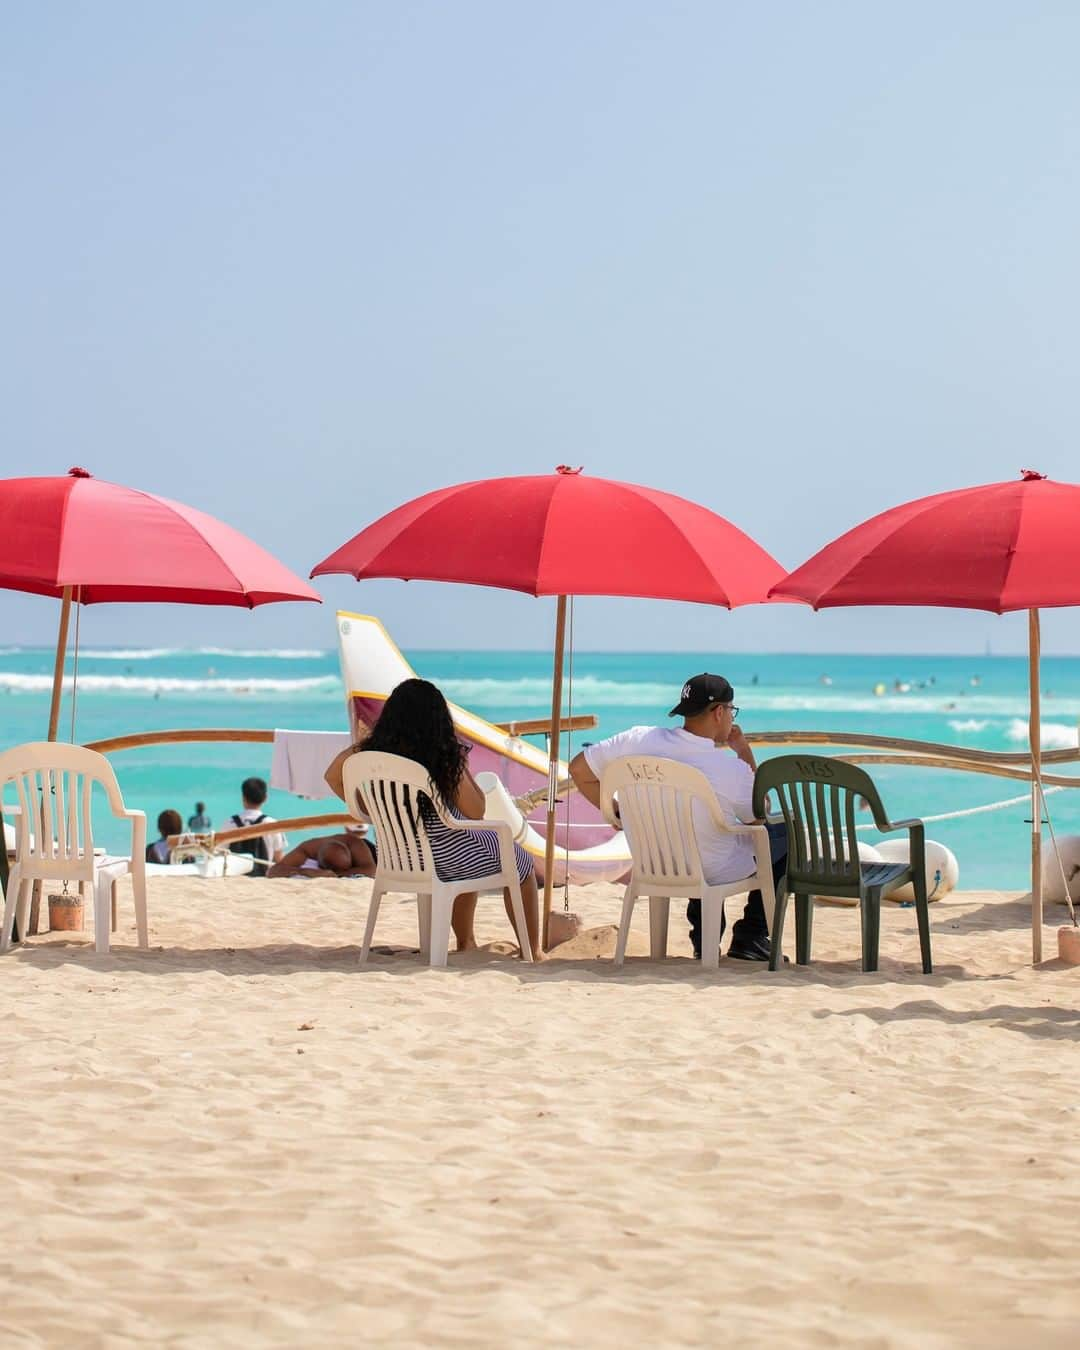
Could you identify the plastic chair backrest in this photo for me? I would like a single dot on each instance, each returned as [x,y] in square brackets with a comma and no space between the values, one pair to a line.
[388,790]
[818,797]
[53,784]
[656,807]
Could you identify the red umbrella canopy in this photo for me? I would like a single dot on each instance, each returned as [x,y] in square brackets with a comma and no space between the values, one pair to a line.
[563,534]
[116,543]
[1003,546]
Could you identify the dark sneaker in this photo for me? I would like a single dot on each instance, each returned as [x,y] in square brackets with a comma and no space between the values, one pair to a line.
[750,949]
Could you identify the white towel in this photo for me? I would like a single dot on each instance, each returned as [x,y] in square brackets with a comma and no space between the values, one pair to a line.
[301,759]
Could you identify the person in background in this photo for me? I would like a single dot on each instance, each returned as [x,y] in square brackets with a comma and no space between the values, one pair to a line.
[169,822]
[200,822]
[270,847]
[336,855]
[415,722]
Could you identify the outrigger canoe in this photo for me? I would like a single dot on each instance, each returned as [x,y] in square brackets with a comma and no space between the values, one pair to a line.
[512,772]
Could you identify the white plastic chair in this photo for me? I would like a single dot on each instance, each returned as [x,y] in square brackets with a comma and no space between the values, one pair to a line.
[655,799]
[388,786]
[53,838]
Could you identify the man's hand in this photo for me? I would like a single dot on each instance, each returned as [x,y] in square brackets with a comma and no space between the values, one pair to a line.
[737,741]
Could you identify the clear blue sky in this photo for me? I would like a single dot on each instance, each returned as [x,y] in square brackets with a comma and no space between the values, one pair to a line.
[295,263]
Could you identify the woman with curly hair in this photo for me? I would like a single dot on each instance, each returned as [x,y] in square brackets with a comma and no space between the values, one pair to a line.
[415,723]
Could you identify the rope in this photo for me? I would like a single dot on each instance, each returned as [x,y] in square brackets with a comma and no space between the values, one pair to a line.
[975,810]
[1044,792]
[1054,842]
[75,662]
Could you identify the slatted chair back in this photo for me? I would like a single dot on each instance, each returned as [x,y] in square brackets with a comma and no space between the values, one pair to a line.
[660,802]
[818,798]
[389,790]
[52,786]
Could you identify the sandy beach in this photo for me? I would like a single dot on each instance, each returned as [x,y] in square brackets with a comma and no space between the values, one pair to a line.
[240,1138]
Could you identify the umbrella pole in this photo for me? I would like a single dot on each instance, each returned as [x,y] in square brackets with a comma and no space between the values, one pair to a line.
[553,763]
[58,669]
[1035,740]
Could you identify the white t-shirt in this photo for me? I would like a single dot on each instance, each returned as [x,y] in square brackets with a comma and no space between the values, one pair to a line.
[725,857]
[276,843]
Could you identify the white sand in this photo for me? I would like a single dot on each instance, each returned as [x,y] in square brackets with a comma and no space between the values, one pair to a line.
[568,1155]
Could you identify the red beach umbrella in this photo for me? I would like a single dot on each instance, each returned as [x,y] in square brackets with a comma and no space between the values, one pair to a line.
[999,547]
[78,537]
[562,534]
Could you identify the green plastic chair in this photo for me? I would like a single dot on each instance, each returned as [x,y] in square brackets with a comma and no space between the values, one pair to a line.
[817,797]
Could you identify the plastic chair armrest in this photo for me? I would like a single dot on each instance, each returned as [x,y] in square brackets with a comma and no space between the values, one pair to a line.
[916,837]
[719,819]
[888,826]
[762,844]
[138,839]
[744,827]
[502,830]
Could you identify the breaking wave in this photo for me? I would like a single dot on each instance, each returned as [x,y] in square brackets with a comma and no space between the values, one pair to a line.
[529,692]
[158,653]
[329,685]
[592,693]
[126,653]
[270,653]
[1055,735]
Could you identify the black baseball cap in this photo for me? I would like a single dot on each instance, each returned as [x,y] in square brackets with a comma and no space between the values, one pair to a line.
[699,691]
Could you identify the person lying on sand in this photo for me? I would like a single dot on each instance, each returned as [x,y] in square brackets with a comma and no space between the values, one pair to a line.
[336,855]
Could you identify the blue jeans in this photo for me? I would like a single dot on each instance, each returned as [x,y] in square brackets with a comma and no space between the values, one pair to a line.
[752,925]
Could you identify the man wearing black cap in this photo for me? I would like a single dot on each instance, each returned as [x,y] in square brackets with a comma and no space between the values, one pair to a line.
[708,732]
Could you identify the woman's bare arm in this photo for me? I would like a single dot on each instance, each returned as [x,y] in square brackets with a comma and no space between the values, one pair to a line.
[470,800]
[335,773]
[335,776]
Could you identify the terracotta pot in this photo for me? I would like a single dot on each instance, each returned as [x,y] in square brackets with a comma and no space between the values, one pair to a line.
[1069,945]
[65,914]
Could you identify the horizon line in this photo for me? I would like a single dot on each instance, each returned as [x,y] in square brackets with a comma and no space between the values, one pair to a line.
[88,649]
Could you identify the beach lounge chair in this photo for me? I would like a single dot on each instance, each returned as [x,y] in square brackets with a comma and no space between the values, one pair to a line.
[389,787]
[655,801]
[818,797]
[53,785]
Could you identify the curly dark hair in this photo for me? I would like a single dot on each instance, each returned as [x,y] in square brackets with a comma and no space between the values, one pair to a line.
[415,722]
[169,822]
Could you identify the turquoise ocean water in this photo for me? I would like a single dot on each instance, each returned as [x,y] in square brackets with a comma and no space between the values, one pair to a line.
[973,701]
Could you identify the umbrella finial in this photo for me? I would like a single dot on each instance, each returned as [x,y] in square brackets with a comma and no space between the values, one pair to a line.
[565,468]
[76,472]
[1031,475]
